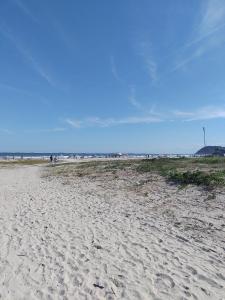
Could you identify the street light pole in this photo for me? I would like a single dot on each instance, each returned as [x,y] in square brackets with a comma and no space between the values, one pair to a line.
[204,136]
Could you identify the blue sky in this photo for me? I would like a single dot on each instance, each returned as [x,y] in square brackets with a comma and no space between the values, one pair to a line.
[105,76]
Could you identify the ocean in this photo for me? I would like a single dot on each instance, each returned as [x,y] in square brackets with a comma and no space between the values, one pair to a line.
[16,155]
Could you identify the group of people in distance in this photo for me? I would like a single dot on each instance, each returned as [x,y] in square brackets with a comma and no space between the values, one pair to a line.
[53,159]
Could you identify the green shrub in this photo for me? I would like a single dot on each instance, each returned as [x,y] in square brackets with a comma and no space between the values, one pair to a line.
[198,178]
[209,160]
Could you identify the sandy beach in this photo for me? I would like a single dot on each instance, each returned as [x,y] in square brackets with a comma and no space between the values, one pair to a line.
[123,236]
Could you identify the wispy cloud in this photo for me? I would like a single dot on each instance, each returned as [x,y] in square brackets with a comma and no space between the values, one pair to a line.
[213,13]
[52,22]
[49,130]
[75,122]
[204,113]
[114,70]
[132,99]
[201,37]
[145,51]
[36,66]
[21,5]
[152,69]
[209,33]
[108,122]
[149,110]
[188,59]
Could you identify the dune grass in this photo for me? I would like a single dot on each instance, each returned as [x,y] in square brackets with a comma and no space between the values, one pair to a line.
[208,171]
[205,171]
[209,160]
[94,167]
[22,162]
[198,178]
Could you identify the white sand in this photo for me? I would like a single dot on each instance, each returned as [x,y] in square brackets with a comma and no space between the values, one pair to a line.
[155,242]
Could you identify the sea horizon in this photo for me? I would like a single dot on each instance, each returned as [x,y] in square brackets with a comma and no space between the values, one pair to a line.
[83,154]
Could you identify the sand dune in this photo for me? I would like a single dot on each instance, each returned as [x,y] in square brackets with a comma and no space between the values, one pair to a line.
[98,238]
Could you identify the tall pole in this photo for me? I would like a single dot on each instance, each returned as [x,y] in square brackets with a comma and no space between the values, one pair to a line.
[204,136]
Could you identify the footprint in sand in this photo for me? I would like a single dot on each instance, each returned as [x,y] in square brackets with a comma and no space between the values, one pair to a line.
[163,282]
[192,270]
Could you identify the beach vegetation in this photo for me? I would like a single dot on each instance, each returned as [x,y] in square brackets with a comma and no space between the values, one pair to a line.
[206,171]
[198,178]
[23,162]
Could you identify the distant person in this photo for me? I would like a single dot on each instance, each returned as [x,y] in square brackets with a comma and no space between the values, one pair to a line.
[55,159]
[51,158]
